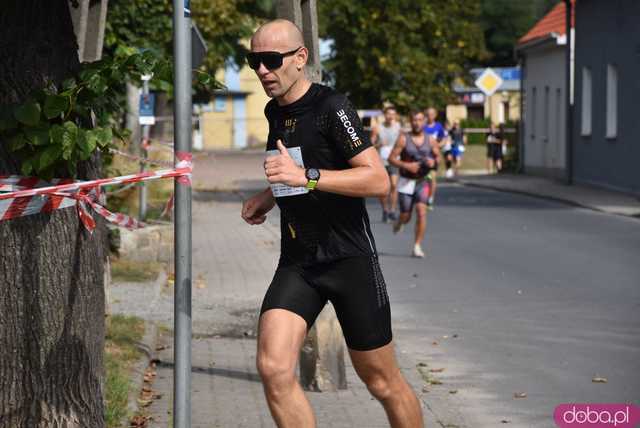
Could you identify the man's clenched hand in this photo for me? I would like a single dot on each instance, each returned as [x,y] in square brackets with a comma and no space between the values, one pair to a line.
[283,169]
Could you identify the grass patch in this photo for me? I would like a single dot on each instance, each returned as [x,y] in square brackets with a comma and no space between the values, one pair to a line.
[123,333]
[133,271]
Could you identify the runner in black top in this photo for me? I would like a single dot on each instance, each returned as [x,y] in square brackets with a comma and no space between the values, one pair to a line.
[320,226]
[328,252]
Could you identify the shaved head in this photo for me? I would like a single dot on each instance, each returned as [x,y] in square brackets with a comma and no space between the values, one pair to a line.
[281,41]
[277,34]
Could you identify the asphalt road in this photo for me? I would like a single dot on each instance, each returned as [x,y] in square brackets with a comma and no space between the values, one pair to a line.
[520,295]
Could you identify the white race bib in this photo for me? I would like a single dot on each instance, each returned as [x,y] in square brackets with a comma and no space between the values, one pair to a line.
[406,186]
[280,190]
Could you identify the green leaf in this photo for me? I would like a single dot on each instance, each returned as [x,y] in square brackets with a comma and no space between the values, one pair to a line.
[17,142]
[56,134]
[27,167]
[204,78]
[69,84]
[105,136]
[87,141]
[38,136]
[97,84]
[55,105]
[28,114]
[49,156]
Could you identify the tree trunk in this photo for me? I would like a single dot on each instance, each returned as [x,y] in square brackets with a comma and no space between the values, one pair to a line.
[51,269]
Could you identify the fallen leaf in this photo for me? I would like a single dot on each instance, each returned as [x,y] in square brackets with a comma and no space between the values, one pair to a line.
[505,421]
[440,370]
[161,347]
[598,379]
[453,391]
[435,382]
[139,421]
[455,336]
[421,364]
[434,343]
[520,395]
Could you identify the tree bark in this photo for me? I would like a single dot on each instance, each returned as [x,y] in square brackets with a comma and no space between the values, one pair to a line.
[51,269]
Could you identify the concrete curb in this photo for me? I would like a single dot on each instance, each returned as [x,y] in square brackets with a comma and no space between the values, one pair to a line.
[542,196]
[148,348]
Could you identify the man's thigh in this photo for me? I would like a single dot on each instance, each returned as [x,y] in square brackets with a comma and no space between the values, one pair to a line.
[280,335]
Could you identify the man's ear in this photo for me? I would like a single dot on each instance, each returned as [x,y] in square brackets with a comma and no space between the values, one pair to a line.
[302,56]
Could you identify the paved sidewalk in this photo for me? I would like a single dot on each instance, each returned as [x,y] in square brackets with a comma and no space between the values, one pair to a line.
[584,196]
[227,392]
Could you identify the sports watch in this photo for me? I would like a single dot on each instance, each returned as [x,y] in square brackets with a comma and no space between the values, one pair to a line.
[313,175]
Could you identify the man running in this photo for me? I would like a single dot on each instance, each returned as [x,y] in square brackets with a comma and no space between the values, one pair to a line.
[435,131]
[414,156]
[327,249]
[383,137]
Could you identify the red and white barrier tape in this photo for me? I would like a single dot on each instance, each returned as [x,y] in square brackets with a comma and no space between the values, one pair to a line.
[30,195]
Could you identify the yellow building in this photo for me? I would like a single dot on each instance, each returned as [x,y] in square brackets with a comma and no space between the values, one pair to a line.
[234,118]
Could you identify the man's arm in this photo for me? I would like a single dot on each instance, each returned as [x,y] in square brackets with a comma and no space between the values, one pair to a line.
[366,177]
[374,137]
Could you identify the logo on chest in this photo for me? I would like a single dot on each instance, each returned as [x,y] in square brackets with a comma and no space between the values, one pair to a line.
[290,125]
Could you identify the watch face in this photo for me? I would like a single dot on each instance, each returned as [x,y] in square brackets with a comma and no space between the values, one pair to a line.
[313,174]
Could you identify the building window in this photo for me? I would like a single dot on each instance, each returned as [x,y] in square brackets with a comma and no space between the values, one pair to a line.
[220,104]
[533,113]
[586,102]
[612,101]
[546,114]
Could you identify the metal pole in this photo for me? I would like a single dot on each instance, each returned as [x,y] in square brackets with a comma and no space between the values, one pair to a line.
[182,292]
[143,153]
[569,107]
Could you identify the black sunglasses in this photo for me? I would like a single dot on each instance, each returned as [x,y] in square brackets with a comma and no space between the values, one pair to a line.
[272,60]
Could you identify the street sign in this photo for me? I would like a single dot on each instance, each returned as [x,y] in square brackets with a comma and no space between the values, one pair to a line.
[488,82]
[147,106]
[198,47]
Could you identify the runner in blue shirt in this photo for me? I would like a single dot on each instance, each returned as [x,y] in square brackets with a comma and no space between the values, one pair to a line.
[436,133]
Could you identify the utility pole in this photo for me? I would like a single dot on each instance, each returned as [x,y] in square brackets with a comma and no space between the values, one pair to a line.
[322,356]
[182,225]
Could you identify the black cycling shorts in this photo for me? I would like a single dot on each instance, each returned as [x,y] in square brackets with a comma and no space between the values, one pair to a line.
[354,286]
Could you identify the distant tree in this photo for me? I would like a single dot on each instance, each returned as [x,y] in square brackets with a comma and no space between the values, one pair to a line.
[224,25]
[404,51]
[505,21]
